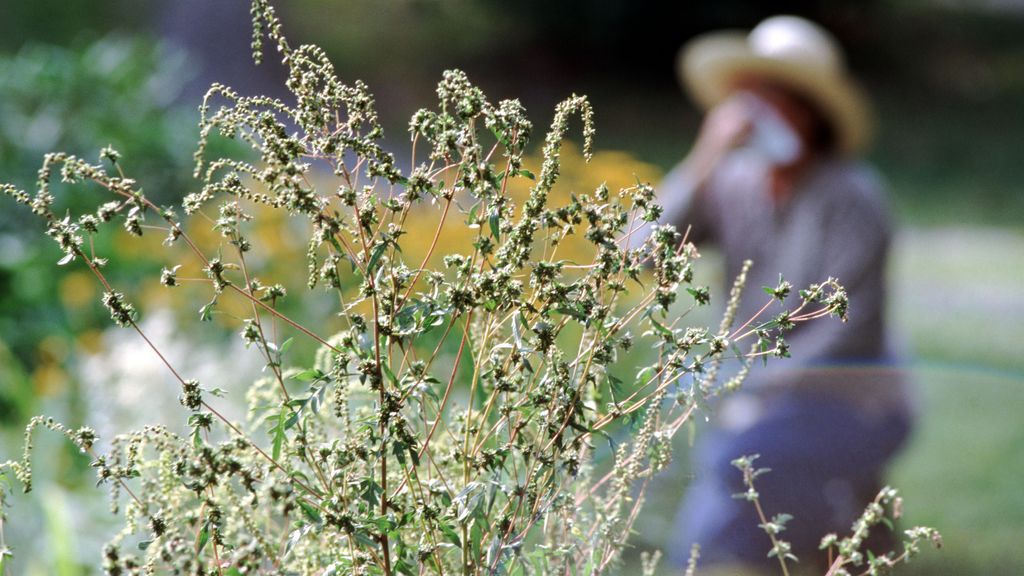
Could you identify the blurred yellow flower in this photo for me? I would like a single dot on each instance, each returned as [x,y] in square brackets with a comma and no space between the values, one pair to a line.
[49,377]
[78,289]
[615,169]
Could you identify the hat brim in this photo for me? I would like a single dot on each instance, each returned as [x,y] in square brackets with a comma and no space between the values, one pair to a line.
[709,67]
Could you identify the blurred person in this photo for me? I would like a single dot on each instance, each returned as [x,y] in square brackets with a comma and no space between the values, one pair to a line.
[774,177]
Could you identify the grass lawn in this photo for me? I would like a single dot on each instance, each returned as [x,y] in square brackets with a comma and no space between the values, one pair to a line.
[959,296]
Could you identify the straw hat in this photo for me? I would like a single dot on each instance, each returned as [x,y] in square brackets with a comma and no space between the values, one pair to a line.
[791,50]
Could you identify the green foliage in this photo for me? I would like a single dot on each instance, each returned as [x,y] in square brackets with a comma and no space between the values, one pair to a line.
[446,423]
[112,91]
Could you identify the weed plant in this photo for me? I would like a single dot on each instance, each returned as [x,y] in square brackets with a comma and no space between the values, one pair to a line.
[449,421]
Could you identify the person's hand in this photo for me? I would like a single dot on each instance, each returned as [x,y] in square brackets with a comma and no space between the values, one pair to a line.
[725,127]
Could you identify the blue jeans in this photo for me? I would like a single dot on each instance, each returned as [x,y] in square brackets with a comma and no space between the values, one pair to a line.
[826,462]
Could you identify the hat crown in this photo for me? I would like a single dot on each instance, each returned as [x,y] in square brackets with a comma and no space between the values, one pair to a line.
[797,40]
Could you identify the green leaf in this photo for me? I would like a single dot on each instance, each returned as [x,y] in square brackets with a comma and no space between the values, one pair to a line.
[475,537]
[659,326]
[492,552]
[206,312]
[278,433]
[371,491]
[296,536]
[365,540]
[287,344]
[573,311]
[384,524]
[494,220]
[501,137]
[291,421]
[468,500]
[388,373]
[451,535]
[403,567]
[310,511]
[309,375]
[204,537]
[645,374]
[300,475]
[527,173]
[517,334]
[316,399]
[471,219]
[375,256]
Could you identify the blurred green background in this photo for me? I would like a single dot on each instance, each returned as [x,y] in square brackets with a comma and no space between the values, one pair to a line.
[947,77]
